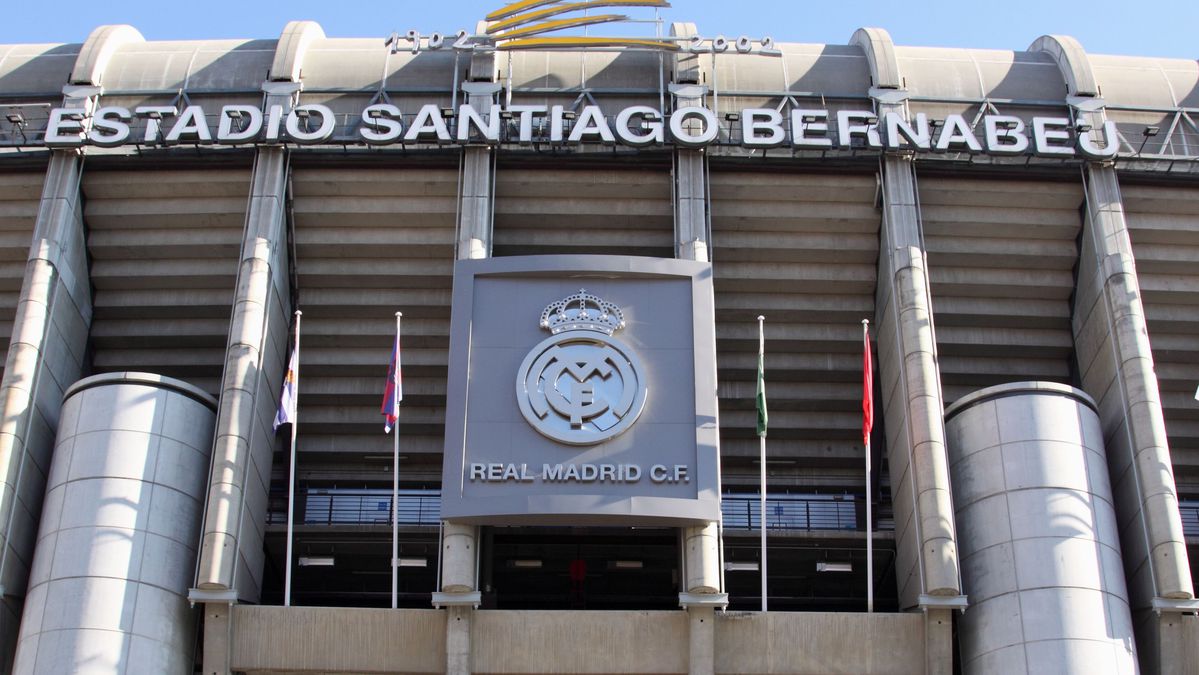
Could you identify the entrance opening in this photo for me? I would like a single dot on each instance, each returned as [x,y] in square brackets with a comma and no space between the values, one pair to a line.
[576,568]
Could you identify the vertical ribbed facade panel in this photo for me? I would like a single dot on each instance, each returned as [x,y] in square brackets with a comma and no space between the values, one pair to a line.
[370,243]
[19,194]
[1001,263]
[599,211]
[1163,223]
[163,248]
[800,249]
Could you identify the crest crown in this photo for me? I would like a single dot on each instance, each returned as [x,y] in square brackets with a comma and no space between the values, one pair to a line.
[582,311]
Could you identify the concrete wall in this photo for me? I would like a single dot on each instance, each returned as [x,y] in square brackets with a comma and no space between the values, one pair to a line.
[819,642]
[336,639]
[1180,643]
[511,641]
[117,543]
[344,640]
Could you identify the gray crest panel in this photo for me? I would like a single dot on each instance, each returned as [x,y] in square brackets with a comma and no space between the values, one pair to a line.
[611,419]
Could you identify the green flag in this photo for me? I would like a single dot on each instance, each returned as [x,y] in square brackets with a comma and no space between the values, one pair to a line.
[761,392]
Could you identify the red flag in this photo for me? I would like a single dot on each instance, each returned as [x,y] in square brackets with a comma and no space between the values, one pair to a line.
[393,393]
[867,388]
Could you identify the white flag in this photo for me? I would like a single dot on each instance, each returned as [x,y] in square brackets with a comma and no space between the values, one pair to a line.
[287,400]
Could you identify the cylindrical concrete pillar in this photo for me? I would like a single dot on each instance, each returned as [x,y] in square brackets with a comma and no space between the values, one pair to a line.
[459,553]
[116,549]
[1037,531]
[701,557]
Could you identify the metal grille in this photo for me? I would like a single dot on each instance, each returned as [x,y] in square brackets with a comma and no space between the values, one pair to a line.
[362,507]
[790,512]
[1190,518]
[367,506]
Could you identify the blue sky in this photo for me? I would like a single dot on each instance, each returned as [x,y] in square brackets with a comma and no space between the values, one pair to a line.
[1162,28]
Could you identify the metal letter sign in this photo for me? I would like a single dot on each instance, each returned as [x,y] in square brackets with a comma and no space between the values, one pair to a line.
[581,386]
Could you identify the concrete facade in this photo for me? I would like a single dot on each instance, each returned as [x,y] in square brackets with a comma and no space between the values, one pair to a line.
[183,257]
[331,639]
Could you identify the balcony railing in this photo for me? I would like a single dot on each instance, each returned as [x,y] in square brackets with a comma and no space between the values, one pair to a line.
[371,506]
[790,512]
[365,506]
[1189,511]
[368,506]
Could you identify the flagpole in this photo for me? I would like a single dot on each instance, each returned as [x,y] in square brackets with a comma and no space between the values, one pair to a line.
[869,507]
[395,474]
[762,457]
[291,472]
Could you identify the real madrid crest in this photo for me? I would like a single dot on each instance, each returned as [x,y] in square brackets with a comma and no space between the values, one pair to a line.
[581,386]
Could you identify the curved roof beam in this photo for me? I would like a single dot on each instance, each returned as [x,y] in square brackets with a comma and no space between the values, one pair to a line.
[98,50]
[880,53]
[687,68]
[293,44]
[1072,60]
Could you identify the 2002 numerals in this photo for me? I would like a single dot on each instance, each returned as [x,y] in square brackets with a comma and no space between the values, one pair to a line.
[695,44]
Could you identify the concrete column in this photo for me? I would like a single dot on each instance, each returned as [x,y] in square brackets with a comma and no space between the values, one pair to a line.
[938,641]
[459,550]
[1116,363]
[457,639]
[1112,339]
[927,563]
[701,553]
[703,580]
[912,400]
[240,474]
[702,641]
[231,557]
[218,638]
[49,340]
[691,202]
[690,165]
[1114,355]
[45,356]
[459,592]
[476,218]
[474,228]
[1179,639]
[701,557]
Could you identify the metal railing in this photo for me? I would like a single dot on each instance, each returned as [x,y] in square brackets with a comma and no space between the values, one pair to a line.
[1190,518]
[790,512]
[361,506]
[371,506]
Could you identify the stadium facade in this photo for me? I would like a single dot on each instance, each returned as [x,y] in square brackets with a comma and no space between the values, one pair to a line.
[580,241]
